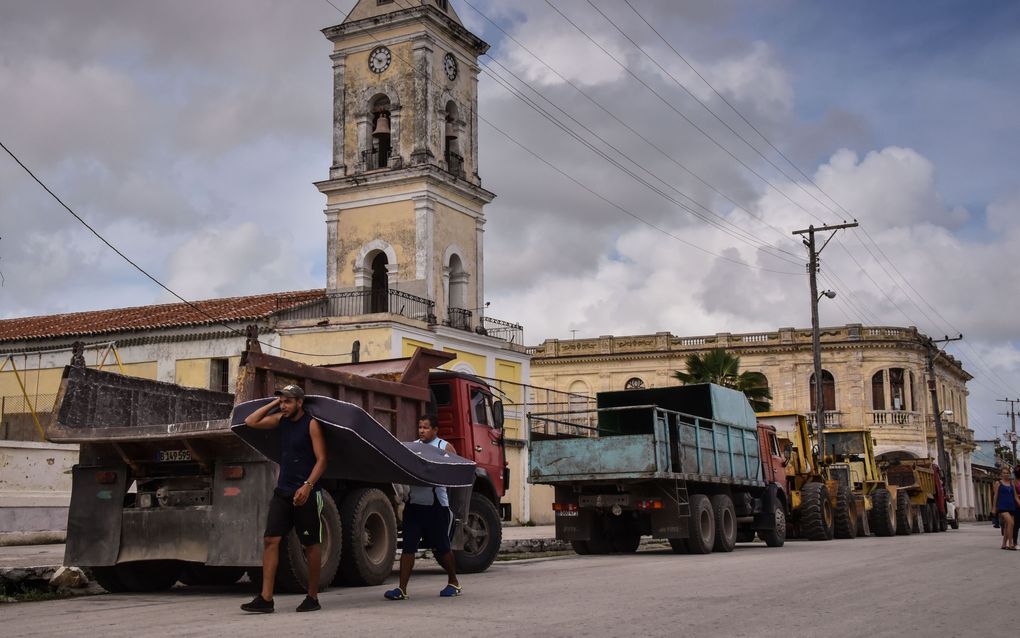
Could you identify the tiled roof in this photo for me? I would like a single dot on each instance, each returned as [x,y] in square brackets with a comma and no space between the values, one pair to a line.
[174,315]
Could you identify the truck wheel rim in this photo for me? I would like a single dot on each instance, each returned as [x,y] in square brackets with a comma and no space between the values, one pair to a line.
[477,534]
[373,538]
[780,522]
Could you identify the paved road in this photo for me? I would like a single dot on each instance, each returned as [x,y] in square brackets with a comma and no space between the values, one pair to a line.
[953,584]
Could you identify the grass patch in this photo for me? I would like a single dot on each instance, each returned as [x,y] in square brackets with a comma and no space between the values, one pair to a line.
[30,593]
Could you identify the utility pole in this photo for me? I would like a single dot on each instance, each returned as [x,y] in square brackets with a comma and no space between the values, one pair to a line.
[1012,417]
[816,344]
[940,439]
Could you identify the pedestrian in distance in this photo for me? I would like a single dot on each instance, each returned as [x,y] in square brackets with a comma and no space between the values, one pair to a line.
[297,500]
[1005,507]
[1016,489]
[427,517]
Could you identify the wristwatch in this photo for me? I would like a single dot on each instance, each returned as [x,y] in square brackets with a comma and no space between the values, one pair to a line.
[309,484]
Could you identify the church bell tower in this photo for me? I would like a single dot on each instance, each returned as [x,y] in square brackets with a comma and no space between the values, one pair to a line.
[404,200]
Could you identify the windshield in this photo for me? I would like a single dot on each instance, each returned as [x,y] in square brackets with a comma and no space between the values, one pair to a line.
[844,443]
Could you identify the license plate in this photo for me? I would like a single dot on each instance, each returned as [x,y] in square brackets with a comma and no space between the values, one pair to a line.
[164,456]
[567,513]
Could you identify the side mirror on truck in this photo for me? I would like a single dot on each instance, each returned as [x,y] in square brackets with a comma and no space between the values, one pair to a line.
[497,414]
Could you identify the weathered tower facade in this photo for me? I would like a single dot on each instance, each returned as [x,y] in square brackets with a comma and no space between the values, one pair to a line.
[404,200]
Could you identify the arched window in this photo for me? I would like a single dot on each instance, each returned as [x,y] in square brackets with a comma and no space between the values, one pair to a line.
[828,391]
[451,148]
[877,391]
[897,393]
[379,298]
[379,153]
[634,383]
[458,283]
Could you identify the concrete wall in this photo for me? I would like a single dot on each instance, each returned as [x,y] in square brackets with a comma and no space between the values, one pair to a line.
[35,488]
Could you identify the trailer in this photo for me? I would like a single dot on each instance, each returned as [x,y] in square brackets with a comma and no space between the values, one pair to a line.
[688,464]
[164,491]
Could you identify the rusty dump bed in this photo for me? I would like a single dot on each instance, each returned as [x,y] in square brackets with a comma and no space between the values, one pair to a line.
[94,406]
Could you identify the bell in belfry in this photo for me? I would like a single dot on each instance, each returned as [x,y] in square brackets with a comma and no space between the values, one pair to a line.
[451,130]
[382,126]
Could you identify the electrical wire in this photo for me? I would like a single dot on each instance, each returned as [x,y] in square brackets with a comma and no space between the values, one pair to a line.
[144,272]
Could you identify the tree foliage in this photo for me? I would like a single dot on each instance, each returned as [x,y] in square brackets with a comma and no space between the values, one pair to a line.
[722,368]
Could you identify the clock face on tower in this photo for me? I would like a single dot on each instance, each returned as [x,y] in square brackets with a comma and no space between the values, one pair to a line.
[379,59]
[450,66]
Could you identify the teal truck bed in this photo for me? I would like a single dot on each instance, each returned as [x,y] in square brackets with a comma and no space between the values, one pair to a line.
[660,462]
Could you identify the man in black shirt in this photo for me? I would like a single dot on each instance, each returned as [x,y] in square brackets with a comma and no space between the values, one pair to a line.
[297,500]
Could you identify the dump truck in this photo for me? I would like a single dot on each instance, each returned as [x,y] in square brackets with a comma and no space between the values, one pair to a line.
[689,464]
[921,481]
[163,491]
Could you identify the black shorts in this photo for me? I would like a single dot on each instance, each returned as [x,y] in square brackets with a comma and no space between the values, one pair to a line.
[284,515]
[430,523]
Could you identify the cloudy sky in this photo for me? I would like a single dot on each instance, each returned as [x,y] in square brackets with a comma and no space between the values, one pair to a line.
[189,134]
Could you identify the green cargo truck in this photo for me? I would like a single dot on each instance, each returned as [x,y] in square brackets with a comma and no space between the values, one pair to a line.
[688,464]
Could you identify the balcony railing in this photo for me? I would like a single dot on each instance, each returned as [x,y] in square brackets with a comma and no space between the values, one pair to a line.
[833,418]
[364,302]
[511,332]
[459,318]
[896,417]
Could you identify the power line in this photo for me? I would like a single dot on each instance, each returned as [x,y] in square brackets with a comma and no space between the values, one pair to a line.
[802,174]
[571,178]
[621,121]
[153,279]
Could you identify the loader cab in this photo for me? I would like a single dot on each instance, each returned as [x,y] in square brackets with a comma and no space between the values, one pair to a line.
[851,453]
[471,419]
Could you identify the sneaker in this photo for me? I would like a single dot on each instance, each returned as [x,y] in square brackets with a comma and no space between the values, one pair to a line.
[450,591]
[309,604]
[395,594]
[259,605]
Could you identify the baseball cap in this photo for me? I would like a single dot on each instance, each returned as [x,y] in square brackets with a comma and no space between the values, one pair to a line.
[292,391]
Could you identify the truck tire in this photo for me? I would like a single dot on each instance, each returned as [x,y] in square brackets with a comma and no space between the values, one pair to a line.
[863,523]
[140,576]
[485,535]
[702,525]
[369,531]
[883,513]
[904,526]
[775,537]
[679,545]
[943,523]
[580,547]
[926,519]
[815,516]
[845,525]
[196,574]
[725,523]
[600,542]
[292,573]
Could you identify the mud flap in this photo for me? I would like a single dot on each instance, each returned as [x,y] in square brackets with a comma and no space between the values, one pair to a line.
[239,513]
[94,516]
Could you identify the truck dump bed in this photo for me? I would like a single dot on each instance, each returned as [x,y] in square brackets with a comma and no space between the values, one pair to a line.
[703,433]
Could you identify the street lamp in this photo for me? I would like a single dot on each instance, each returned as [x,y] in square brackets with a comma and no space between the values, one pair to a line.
[831,294]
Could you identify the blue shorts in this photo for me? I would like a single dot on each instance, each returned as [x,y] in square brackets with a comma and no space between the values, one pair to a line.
[429,523]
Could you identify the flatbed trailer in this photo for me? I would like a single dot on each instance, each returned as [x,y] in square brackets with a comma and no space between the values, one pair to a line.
[687,464]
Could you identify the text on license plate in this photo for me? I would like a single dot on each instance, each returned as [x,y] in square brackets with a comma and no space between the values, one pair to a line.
[164,456]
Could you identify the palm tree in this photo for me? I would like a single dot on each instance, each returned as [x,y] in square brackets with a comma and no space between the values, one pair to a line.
[719,367]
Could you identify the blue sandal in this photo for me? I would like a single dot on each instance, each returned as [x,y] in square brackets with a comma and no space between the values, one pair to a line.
[450,591]
[395,594]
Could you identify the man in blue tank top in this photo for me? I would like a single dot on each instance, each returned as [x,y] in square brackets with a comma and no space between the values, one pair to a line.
[297,499]
[427,517]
